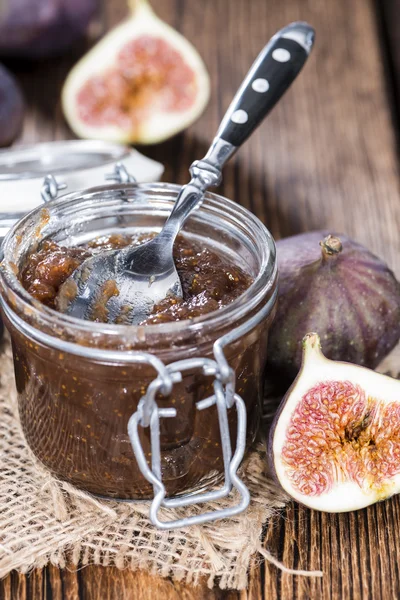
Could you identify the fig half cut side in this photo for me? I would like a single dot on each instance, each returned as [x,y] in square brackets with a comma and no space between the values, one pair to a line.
[142,83]
[335,441]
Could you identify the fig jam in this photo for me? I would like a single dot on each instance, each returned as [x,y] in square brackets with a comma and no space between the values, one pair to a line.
[80,382]
[209,280]
[75,411]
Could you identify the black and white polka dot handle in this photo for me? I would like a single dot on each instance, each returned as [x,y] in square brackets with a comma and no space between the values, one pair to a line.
[272,73]
[276,67]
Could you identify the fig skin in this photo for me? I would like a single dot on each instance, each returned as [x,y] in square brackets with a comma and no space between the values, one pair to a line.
[348,447]
[11,108]
[341,290]
[34,29]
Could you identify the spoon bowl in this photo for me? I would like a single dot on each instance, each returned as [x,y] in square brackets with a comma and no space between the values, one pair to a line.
[113,287]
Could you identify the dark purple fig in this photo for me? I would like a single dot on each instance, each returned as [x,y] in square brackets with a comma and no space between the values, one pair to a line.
[331,284]
[11,108]
[40,28]
[335,441]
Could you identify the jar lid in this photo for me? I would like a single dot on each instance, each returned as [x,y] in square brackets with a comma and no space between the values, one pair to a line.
[72,165]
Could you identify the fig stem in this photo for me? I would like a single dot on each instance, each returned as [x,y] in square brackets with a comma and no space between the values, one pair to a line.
[136,5]
[331,246]
[311,348]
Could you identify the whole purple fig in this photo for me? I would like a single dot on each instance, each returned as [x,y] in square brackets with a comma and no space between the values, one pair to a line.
[333,285]
[40,28]
[11,108]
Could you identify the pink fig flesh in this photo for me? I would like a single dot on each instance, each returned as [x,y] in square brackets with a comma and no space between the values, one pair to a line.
[148,73]
[338,432]
[335,442]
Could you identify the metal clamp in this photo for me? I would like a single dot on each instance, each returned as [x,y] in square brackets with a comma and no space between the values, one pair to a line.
[120,174]
[148,414]
[50,188]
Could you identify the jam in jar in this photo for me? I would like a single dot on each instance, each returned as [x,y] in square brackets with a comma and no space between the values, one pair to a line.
[79,382]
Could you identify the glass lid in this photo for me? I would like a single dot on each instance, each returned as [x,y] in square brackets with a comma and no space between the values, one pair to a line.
[32,174]
[27,162]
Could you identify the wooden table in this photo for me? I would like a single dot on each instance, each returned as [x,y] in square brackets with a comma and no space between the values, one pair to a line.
[326,158]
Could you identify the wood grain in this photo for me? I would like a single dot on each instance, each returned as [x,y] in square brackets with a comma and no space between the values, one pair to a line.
[325,158]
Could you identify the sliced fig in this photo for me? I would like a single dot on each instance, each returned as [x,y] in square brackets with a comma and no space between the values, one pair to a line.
[333,285]
[335,441]
[142,83]
[34,29]
[11,108]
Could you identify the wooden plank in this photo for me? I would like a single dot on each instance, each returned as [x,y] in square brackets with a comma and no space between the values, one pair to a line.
[326,158]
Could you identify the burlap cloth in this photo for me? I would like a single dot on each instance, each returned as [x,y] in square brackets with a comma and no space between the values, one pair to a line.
[44,520]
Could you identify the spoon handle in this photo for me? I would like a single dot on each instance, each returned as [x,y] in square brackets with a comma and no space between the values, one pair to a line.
[273,71]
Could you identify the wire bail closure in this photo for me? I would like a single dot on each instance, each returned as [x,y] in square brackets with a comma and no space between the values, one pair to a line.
[148,414]
[51,186]
[120,174]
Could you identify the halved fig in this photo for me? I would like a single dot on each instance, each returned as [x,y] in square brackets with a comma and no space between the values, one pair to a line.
[142,83]
[335,441]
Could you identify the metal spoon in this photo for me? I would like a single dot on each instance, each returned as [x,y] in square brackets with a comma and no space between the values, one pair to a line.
[142,276]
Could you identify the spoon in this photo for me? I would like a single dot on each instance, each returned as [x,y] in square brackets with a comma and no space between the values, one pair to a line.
[131,281]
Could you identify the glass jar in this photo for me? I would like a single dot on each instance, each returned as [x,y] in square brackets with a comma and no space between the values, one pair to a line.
[81,385]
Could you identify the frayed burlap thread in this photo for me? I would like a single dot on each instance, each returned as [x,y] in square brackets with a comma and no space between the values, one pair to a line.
[44,520]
